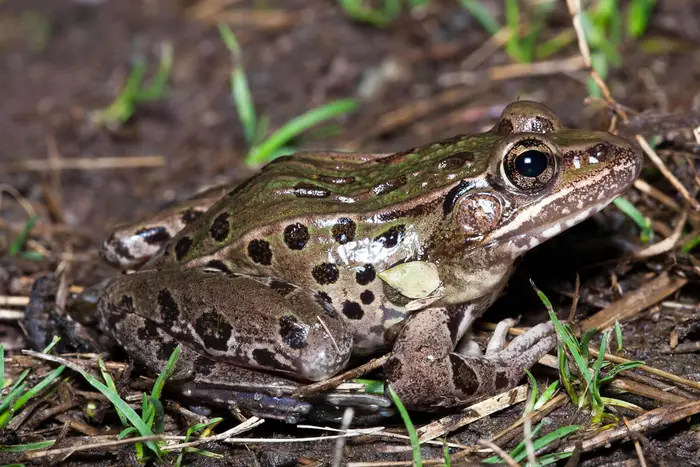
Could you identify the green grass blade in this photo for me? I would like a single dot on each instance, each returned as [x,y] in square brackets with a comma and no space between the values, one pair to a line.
[413,435]
[618,335]
[122,108]
[240,89]
[532,400]
[379,17]
[28,446]
[555,44]
[621,403]
[159,86]
[482,15]
[633,213]
[117,401]
[195,429]
[552,458]
[564,334]
[517,450]
[19,241]
[111,385]
[691,244]
[638,16]
[298,125]
[546,395]
[372,386]
[243,99]
[446,454]
[547,439]
[166,373]
[514,46]
[2,368]
[38,388]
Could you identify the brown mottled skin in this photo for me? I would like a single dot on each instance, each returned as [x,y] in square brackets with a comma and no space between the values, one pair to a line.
[281,273]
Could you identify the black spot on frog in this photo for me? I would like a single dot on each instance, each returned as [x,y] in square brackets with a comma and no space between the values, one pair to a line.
[353,310]
[293,334]
[344,230]
[367,297]
[182,247]
[154,235]
[190,216]
[214,330]
[220,228]
[392,236]
[365,274]
[325,273]
[169,311]
[296,236]
[260,252]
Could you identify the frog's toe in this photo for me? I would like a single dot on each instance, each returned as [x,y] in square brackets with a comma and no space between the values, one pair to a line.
[498,339]
[532,342]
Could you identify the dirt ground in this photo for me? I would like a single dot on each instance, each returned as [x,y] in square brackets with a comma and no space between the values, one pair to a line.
[60,61]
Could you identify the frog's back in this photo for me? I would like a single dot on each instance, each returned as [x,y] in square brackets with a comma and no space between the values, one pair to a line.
[311,200]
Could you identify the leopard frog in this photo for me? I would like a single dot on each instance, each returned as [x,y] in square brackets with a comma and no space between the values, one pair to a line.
[314,259]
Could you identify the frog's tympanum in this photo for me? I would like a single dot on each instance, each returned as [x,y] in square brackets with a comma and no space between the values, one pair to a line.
[325,255]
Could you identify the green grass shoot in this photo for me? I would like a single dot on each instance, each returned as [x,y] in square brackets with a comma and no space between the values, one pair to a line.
[262,149]
[633,213]
[17,244]
[518,453]
[581,378]
[134,92]
[413,435]
[18,395]
[199,427]
[381,16]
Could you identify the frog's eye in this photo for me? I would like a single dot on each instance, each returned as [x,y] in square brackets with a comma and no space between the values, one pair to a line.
[530,165]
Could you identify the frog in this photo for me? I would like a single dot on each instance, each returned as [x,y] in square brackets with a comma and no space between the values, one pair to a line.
[279,280]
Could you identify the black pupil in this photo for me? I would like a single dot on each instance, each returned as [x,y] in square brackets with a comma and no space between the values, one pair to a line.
[531,163]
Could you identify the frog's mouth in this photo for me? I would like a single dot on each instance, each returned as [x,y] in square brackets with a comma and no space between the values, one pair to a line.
[541,234]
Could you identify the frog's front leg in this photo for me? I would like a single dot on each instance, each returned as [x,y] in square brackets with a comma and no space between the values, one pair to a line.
[427,374]
[249,321]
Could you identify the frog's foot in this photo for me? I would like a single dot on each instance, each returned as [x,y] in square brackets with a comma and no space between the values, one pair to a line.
[426,373]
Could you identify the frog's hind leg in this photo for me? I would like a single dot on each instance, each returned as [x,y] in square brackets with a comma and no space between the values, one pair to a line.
[242,320]
[427,374]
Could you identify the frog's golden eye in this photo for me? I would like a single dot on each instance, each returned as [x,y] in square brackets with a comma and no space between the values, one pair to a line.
[530,165]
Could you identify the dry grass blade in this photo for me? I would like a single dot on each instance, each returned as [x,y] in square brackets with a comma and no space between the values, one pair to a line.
[11,315]
[631,304]
[655,123]
[249,424]
[14,300]
[640,389]
[637,445]
[514,70]
[654,419]
[262,19]
[667,172]
[657,194]
[472,413]
[85,163]
[501,453]
[330,383]
[666,244]
[651,370]
[66,452]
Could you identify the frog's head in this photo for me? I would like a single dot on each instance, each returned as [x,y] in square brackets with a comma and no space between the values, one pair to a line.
[542,179]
